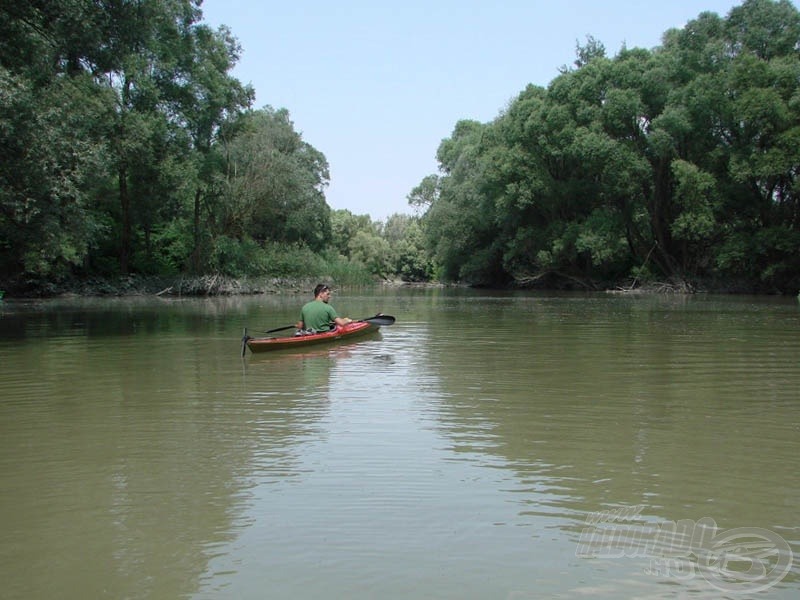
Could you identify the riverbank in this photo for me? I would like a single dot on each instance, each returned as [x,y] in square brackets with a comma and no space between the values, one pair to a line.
[133,285]
[554,280]
[219,285]
[205,285]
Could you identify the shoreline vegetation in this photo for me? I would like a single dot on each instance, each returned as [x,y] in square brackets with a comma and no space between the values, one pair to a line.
[218,285]
[214,285]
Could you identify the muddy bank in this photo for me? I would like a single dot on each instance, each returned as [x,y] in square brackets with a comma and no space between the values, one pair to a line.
[553,280]
[132,285]
[219,285]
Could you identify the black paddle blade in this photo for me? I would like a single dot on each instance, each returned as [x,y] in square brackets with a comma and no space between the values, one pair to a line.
[381,320]
[245,337]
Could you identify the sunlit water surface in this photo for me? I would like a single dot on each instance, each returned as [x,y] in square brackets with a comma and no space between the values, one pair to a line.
[468,451]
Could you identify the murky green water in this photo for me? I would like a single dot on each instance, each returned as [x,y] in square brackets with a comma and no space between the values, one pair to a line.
[468,451]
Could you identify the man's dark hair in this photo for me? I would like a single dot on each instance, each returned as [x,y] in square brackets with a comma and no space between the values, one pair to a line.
[320,288]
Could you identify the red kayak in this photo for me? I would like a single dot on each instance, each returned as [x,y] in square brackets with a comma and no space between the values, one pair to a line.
[353,330]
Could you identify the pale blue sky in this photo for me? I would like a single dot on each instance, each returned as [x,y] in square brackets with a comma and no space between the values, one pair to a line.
[376,86]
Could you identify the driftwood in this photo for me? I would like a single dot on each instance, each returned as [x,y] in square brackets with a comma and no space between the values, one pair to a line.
[657,287]
[529,280]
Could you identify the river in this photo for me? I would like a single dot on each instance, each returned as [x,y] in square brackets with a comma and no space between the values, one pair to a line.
[487,445]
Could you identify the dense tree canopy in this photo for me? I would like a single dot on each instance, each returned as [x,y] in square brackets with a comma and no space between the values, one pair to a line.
[126,146]
[678,162]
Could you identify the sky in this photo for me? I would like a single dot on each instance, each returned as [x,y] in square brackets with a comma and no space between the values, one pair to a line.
[376,86]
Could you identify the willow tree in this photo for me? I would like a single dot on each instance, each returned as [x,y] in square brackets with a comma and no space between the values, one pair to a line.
[273,184]
[96,95]
[51,150]
[145,40]
[730,130]
[460,225]
[680,161]
[211,99]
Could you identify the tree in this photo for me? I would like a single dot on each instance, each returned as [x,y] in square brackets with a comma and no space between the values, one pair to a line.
[408,257]
[344,227]
[211,99]
[273,184]
[587,53]
[426,193]
[372,251]
[48,161]
[139,63]
[682,159]
[461,227]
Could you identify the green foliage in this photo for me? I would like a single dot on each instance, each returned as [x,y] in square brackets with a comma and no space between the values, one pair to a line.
[678,161]
[343,270]
[126,144]
[372,251]
[172,246]
[409,258]
[602,238]
[426,193]
[694,197]
[273,183]
[768,258]
[778,257]
[461,227]
[394,248]
[593,49]
[47,161]
[124,137]
[344,227]
[237,258]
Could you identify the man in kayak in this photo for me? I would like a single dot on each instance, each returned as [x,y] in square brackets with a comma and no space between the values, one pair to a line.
[318,315]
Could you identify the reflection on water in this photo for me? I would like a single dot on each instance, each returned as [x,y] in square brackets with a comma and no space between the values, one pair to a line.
[462,453]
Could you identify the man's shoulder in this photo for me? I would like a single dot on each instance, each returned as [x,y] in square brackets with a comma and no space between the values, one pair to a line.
[316,305]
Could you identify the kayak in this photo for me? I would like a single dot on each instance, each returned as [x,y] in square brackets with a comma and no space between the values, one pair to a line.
[353,330]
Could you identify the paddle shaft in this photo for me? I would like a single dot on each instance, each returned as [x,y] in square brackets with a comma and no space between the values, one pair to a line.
[280,328]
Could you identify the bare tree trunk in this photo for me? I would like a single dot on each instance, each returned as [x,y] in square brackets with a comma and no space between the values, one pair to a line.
[659,220]
[125,206]
[196,229]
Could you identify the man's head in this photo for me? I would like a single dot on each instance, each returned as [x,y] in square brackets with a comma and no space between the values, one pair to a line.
[322,292]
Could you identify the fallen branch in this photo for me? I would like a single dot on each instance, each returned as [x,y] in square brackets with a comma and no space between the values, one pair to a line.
[526,280]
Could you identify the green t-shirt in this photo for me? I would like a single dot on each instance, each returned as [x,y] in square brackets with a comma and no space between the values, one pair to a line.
[318,315]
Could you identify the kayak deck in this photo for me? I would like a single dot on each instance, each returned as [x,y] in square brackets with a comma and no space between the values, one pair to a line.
[352,330]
